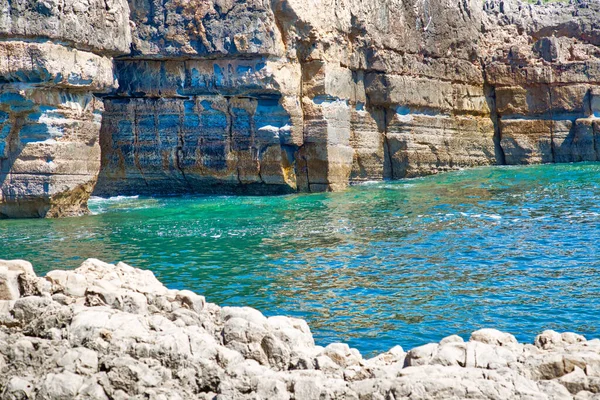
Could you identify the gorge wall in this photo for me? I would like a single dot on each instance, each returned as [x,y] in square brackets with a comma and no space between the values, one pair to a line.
[280,96]
[53,56]
[294,95]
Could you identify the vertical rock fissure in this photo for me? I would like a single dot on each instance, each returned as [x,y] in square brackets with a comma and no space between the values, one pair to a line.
[490,94]
[255,150]
[229,116]
[388,149]
[308,189]
[136,156]
[552,123]
[180,146]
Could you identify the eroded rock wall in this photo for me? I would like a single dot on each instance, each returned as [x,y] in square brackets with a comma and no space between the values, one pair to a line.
[294,95]
[53,57]
[284,95]
[542,66]
[201,125]
[207,102]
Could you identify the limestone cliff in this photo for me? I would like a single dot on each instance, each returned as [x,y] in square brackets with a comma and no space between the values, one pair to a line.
[53,56]
[295,95]
[275,96]
[543,67]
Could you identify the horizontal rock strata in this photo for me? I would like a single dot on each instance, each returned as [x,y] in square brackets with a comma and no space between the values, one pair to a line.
[544,73]
[278,97]
[284,96]
[53,57]
[108,331]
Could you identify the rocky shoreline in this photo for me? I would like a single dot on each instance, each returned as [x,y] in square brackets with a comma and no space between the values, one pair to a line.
[107,331]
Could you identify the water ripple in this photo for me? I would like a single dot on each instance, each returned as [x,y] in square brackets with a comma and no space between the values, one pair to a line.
[380,264]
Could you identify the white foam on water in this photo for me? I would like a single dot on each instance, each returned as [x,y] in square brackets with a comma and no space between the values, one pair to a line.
[102,203]
[366,183]
[112,199]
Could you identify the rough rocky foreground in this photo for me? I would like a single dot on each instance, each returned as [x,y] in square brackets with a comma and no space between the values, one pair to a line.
[108,331]
[276,96]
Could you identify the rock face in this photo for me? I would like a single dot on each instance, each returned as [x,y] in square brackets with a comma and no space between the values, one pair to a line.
[53,56]
[543,74]
[208,100]
[281,96]
[290,95]
[294,95]
[104,331]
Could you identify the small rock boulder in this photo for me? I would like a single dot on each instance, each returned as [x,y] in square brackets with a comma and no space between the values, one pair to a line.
[11,272]
[493,337]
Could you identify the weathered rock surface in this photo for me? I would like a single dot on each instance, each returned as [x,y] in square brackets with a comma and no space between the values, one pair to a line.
[53,57]
[108,331]
[295,95]
[283,96]
[287,95]
[542,66]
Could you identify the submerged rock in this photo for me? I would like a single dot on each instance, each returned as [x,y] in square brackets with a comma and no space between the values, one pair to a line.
[108,331]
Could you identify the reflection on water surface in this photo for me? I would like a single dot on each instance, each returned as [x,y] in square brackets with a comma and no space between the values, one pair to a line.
[405,262]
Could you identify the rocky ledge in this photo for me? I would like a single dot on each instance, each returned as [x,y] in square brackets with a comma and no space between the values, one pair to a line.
[108,331]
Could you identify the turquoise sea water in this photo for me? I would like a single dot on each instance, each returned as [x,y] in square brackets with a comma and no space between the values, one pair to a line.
[407,262]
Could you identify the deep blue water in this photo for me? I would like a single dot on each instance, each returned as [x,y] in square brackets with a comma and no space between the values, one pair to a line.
[406,262]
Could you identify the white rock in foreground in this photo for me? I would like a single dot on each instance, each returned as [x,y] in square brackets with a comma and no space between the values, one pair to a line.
[108,331]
